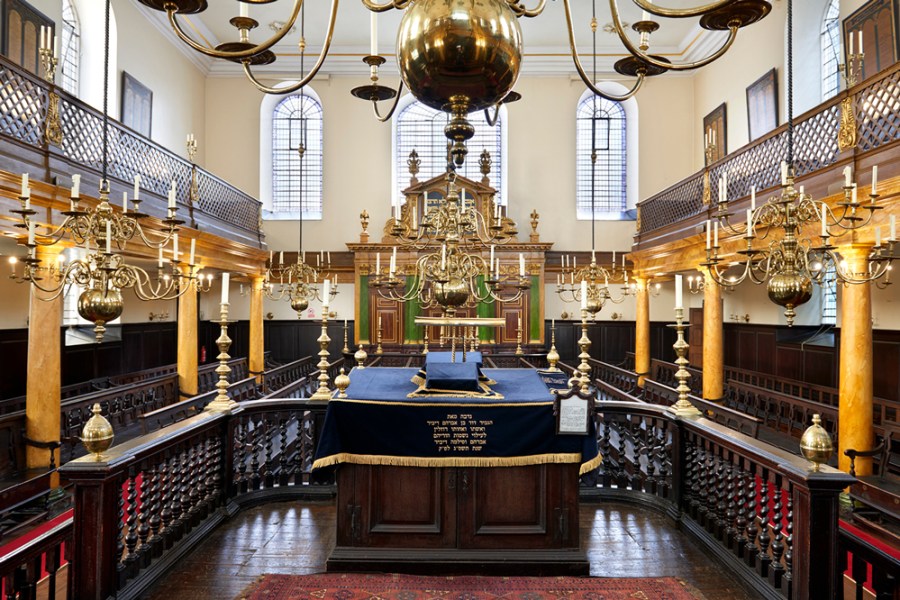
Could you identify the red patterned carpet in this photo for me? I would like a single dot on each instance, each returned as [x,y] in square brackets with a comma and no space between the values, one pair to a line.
[338,586]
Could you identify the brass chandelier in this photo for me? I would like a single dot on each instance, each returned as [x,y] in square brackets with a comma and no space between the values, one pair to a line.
[461,56]
[454,273]
[102,273]
[790,264]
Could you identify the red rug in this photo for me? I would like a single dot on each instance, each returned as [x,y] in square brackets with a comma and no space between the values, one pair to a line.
[338,586]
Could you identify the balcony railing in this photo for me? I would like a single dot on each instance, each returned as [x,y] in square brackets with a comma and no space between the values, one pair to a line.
[25,101]
[876,106]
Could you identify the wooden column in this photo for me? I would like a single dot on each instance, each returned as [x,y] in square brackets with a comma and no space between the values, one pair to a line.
[713,354]
[642,330]
[855,428]
[257,361]
[187,344]
[42,386]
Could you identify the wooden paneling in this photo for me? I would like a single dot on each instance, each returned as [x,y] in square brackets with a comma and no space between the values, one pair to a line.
[695,334]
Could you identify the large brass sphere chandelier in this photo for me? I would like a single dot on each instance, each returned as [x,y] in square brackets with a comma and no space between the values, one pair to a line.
[790,264]
[102,273]
[460,56]
[454,273]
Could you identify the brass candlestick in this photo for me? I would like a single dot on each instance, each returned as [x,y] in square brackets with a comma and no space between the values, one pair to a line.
[222,401]
[378,349]
[553,355]
[425,349]
[683,407]
[346,348]
[583,378]
[323,394]
[361,357]
[519,339]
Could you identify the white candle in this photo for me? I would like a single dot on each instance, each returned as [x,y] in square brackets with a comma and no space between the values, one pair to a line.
[281,257]
[373,34]
[593,256]
[56,46]
[853,194]
[847,168]
[851,44]
[716,234]
[614,259]
[328,258]
[725,186]
[824,220]
[225,288]
[171,199]
[394,259]
[43,36]
[443,256]
[497,268]
[326,294]
[31,233]
[108,237]
[193,249]
[878,237]
[124,201]
[76,185]
[860,45]
[574,263]
[245,9]
[749,223]
[678,292]
[137,187]
[753,197]
[623,261]
[175,247]
[521,265]
[24,184]
[562,260]
[874,179]
[159,262]
[491,264]
[893,228]
[583,294]
[784,173]
[708,234]
[377,262]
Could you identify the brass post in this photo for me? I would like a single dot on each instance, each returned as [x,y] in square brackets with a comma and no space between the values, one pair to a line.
[583,377]
[378,349]
[323,394]
[683,407]
[222,401]
[553,355]
[346,348]
[519,339]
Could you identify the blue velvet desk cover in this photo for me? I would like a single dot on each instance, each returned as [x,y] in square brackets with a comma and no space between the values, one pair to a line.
[439,356]
[378,424]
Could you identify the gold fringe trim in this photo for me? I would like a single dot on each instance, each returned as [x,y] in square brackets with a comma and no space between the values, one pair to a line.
[590,465]
[454,461]
[405,404]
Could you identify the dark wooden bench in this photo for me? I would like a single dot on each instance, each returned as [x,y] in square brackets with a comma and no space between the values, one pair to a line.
[657,393]
[24,493]
[280,376]
[878,495]
[239,391]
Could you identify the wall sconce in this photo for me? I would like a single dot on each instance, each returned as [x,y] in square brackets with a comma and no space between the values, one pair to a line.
[737,318]
[159,316]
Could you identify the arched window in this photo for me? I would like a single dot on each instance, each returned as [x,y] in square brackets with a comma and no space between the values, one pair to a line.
[601,127]
[420,128]
[70,58]
[297,185]
[832,52]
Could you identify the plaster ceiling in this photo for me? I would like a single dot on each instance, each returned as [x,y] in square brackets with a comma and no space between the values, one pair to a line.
[546,38]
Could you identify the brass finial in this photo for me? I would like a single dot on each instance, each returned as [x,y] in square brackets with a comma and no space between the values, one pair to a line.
[413,162]
[815,444]
[360,356]
[97,435]
[342,382]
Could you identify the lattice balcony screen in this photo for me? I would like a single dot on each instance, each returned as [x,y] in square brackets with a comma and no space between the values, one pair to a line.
[832,51]
[297,119]
[70,56]
[600,125]
[421,128]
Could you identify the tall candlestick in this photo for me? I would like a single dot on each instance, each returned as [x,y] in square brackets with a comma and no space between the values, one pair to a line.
[193,249]
[678,292]
[583,294]
[225,277]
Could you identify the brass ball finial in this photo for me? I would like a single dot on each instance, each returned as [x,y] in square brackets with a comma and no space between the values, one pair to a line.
[97,435]
[815,444]
[360,356]
[342,382]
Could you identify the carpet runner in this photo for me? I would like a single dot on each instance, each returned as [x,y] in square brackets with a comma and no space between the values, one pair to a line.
[344,586]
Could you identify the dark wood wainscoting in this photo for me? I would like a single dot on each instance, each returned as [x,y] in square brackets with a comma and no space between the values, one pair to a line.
[610,340]
[143,346]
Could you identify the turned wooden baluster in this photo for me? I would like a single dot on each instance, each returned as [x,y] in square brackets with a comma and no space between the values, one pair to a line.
[777,569]
[730,505]
[156,507]
[149,475]
[241,460]
[255,477]
[184,491]
[196,491]
[787,578]
[752,526]
[764,523]
[270,472]
[131,535]
[282,451]
[120,529]
[702,479]
[740,520]
[722,475]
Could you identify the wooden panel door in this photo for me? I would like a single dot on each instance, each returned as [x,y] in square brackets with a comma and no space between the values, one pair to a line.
[513,312]
[389,311]
[396,507]
[524,507]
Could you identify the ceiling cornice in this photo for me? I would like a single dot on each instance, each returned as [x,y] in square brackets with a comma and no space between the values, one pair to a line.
[161,22]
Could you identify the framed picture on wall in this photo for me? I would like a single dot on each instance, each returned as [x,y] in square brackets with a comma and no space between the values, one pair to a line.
[762,105]
[715,139]
[878,20]
[137,105]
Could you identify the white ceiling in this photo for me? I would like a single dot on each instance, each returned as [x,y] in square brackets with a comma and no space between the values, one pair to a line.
[546,38]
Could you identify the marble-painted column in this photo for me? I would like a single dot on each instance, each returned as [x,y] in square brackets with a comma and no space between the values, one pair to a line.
[187,344]
[642,330]
[257,361]
[713,349]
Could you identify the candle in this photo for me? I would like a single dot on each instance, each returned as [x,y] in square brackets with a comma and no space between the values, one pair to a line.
[108,237]
[583,294]
[159,262]
[753,197]
[784,173]
[824,221]
[623,261]
[326,294]
[443,256]
[394,260]
[171,199]
[31,233]
[716,234]
[521,265]
[851,44]
[893,237]
[245,12]
[708,234]
[193,249]
[574,263]
[225,288]
[847,168]
[860,45]
[678,292]
[373,34]
[725,186]
[377,263]
[853,194]
[56,46]
[874,179]
[43,36]
[614,259]
[281,257]
[497,268]
[328,258]
[175,247]
[491,264]
[562,260]
[749,223]
[24,184]
[137,187]
[76,185]
[124,201]
[552,323]
[878,237]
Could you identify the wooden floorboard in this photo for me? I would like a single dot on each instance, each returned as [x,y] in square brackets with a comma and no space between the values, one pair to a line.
[621,541]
